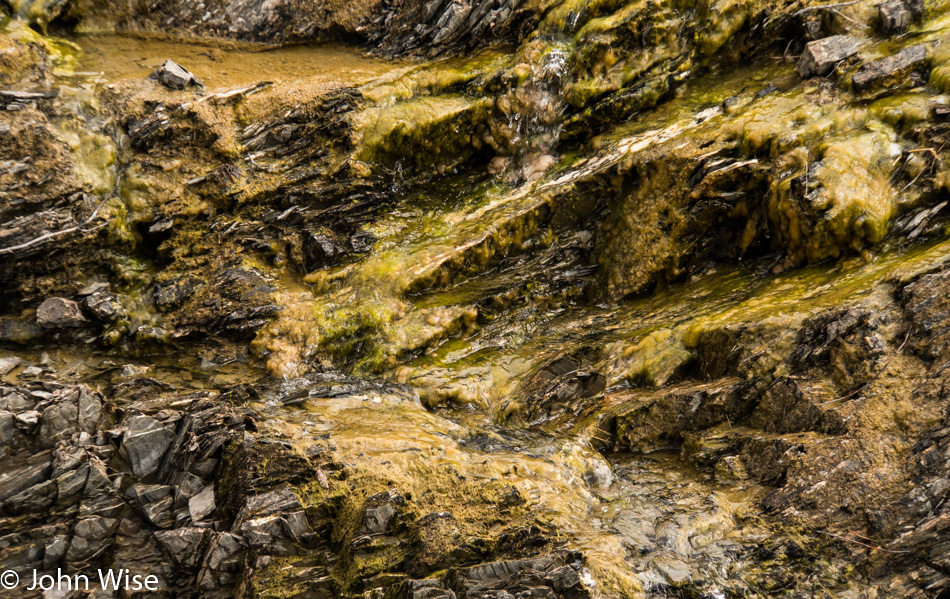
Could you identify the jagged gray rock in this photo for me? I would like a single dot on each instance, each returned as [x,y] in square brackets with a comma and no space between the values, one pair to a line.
[58,313]
[894,16]
[201,506]
[822,55]
[145,443]
[184,544]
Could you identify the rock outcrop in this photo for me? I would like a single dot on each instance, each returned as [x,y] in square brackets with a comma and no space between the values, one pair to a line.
[562,299]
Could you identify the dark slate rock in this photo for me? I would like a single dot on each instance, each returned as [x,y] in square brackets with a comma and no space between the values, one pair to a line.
[363,242]
[102,306]
[145,444]
[380,510]
[172,294]
[156,503]
[183,544]
[321,250]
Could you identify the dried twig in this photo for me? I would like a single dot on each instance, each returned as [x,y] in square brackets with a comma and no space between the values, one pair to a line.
[849,19]
[242,92]
[936,158]
[51,236]
[848,396]
[856,542]
[824,7]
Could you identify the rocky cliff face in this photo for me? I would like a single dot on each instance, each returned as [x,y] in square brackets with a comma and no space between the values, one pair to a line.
[499,299]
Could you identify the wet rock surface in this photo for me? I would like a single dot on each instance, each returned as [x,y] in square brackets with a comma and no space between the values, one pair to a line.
[649,302]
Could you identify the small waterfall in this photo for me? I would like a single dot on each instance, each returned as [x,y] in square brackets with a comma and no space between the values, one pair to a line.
[529,120]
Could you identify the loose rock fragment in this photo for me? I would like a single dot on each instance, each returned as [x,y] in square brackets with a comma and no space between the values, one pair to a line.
[894,16]
[889,71]
[58,312]
[174,76]
[7,364]
[940,111]
[12,99]
[822,55]
[102,306]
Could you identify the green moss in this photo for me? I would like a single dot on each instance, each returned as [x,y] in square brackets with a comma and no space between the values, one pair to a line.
[436,79]
[724,19]
[940,71]
[423,133]
[62,53]
[94,158]
[850,189]
[40,12]
[902,111]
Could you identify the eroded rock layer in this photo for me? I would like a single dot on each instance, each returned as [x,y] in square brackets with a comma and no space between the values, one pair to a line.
[476,299]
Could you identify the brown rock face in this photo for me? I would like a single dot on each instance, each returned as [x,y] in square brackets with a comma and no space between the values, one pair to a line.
[405,26]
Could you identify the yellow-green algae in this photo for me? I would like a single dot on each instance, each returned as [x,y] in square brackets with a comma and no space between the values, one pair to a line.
[419,455]
[646,340]
[851,206]
[63,54]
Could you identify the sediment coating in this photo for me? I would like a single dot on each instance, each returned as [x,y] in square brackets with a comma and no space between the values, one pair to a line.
[475,299]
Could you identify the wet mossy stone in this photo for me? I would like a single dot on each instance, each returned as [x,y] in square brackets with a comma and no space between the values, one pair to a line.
[173,293]
[38,12]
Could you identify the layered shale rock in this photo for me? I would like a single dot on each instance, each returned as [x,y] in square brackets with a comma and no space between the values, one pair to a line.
[647,302]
